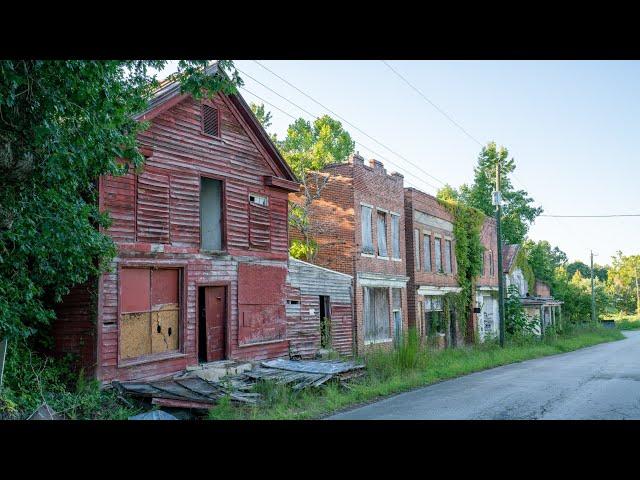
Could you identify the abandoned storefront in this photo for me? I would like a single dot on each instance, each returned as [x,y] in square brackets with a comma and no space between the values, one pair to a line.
[319,310]
[486,316]
[202,241]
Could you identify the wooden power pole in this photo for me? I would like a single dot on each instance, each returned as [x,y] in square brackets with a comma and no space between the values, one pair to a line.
[497,200]
[593,294]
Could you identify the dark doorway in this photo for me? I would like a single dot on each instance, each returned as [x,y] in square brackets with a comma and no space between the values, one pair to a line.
[325,321]
[212,321]
[452,328]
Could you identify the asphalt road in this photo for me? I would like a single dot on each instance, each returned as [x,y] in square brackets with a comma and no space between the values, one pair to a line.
[599,382]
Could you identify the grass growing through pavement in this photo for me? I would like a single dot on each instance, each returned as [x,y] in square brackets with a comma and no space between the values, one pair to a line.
[408,367]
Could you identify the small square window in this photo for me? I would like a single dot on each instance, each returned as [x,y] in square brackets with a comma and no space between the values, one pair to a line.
[260,200]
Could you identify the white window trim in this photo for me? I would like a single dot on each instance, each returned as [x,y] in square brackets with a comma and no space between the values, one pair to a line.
[381,340]
[382,257]
[362,204]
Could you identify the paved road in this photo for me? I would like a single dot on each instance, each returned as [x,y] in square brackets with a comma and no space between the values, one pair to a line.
[599,382]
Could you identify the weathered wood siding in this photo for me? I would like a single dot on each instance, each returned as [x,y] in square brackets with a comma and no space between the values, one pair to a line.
[305,284]
[156,222]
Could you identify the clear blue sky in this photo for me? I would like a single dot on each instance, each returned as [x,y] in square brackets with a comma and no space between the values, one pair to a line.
[572,127]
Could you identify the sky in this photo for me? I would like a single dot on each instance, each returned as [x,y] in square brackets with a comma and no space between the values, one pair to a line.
[571,126]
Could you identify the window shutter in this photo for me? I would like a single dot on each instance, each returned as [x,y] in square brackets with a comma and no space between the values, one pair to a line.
[210,124]
[152,213]
[259,227]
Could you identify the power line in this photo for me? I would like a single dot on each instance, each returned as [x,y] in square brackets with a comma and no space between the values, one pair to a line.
[317,116]
[358,143]
[347,122]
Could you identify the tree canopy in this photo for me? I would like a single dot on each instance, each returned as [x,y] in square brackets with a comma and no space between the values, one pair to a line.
[518,210]
[63,124]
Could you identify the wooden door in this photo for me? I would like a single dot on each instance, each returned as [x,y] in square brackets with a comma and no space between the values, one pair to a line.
[216,320]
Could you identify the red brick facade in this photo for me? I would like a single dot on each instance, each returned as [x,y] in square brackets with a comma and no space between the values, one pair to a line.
[336,224]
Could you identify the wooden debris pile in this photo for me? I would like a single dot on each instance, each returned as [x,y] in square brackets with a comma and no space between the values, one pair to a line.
[196,392]
[301,374]
[192,392]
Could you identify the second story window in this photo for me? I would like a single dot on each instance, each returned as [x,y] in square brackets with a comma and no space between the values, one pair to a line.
[448,260]
[210,214]
[382,234]
[367,232]
[395,235]
[491,267]
[482,272]
[438,254]
[427,252]
[416,246]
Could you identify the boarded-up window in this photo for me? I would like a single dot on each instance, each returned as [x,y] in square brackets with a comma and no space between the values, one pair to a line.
[426,239]
[382,234]
[210,214]
[376,314]
[367,232]
[152,208]
[149,311]
[259,222]
[395,235]
[438,254]
[448,260]
[261,303]
[416,246]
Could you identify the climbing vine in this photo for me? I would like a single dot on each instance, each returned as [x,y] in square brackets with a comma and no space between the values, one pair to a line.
[467,224]
[522,263]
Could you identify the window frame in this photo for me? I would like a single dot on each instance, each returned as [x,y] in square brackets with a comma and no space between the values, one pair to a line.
[429,236]
[448,269]
[396,216]
[384,214]
[223,200]
[437,255]
[182,319]
[364,252]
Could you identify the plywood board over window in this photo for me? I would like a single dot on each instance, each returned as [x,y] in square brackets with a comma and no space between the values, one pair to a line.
[149,311]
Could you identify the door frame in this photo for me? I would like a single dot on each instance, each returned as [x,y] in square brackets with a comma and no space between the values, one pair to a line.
[227,329]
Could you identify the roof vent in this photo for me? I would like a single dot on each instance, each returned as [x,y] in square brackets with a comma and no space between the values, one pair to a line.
[210,121]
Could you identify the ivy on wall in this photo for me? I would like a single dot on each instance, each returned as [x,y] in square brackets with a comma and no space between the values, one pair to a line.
[467,225]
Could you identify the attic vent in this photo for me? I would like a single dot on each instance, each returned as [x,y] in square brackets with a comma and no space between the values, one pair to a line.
[210,124]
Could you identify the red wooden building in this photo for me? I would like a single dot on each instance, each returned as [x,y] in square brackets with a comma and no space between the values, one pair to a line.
[202,242]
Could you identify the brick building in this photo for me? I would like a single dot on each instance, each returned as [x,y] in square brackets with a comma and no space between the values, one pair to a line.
[202,237]
[487,320]
[358,223]
[431,267]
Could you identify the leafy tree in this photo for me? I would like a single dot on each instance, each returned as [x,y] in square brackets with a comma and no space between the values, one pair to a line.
[263,116]
[624,282]
[308,148]
[516,321]
[599,271]
[518,210]
[544,259]
[63,124]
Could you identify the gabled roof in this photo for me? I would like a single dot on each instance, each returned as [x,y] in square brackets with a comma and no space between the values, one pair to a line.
[509,254]
[169,94]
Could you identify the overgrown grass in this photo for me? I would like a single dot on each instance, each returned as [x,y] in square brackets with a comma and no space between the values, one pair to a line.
[409,367]
[624,321]
[31,379]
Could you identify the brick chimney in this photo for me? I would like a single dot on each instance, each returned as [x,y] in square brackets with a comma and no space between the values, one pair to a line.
[377,165]
[355,158]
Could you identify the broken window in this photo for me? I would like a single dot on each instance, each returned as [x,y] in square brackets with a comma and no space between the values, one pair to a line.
[260,200]
[427,253]
[396,308]
[395,235]
[433,315]
[376,314]
[210,214]
[416,245]
[382,234]
[438,254]
[448,261]
[367,233]
[325,321]
[149,311]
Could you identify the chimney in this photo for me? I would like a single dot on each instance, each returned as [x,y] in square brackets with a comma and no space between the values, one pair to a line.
[377,165]
[355,158]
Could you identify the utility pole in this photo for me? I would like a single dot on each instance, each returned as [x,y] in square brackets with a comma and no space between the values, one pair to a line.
[497,201]
[593,294]
[637,291]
